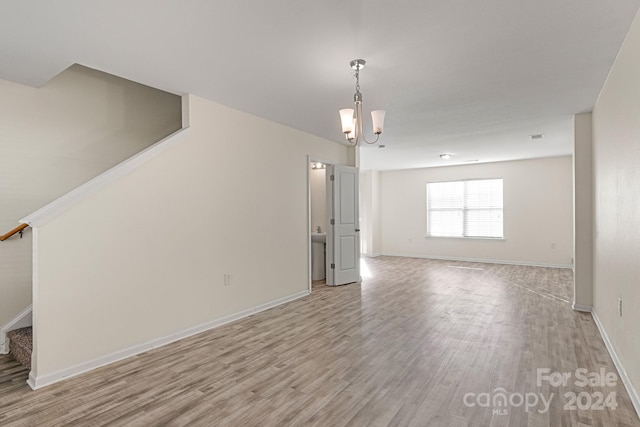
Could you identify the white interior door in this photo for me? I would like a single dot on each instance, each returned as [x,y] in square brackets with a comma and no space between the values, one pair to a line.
[344,226]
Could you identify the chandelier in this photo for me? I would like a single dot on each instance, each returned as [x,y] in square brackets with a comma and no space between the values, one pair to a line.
[352,119]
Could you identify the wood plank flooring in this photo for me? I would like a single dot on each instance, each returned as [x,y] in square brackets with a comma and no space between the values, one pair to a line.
[401,349]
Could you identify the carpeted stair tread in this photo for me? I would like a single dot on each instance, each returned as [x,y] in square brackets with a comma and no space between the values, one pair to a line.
[21,345]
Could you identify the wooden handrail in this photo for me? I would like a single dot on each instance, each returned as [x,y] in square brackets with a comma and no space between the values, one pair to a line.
[18,229]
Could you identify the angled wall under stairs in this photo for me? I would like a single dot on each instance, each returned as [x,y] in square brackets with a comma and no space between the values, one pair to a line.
[58,136]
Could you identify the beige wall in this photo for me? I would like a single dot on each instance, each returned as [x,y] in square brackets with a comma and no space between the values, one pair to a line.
[370,218]
[53,139]
[230,198]
[538,213]
[616,145]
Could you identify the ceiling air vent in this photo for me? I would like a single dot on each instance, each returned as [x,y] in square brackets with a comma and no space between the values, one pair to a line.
[536,136]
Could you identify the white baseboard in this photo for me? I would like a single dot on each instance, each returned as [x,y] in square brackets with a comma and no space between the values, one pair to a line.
[39,381]
[375,255]
[22,320]
[31,381]
[633,395]
[488,261]
[581,307]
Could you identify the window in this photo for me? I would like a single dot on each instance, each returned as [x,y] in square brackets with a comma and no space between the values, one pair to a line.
[470,208]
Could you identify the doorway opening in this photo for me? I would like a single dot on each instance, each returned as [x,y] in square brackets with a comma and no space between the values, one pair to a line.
[333,223]
[318,222]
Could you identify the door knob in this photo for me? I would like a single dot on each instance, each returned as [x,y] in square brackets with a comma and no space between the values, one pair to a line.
[357,229]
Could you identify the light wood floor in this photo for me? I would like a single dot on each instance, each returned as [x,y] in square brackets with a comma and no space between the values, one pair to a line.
[403,348]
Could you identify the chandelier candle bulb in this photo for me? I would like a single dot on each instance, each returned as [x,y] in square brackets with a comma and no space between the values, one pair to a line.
[377,117]
[352,134]
[346,117]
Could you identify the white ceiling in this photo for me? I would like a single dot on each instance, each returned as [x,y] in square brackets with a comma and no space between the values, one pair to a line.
[471,78]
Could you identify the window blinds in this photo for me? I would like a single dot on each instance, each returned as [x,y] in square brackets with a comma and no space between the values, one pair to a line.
[471,208]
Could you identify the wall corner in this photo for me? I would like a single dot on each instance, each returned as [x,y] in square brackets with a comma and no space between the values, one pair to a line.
[185,111]
[583,210]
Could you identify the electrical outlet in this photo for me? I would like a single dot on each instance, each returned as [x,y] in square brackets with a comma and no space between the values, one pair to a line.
[620,307]
[227,280]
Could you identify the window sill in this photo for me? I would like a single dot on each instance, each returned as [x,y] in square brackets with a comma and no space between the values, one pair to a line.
[498,239]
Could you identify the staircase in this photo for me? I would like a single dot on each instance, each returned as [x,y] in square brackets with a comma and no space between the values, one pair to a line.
[21,345]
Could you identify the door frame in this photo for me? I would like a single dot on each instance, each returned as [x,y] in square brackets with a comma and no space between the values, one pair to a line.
[314,159]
